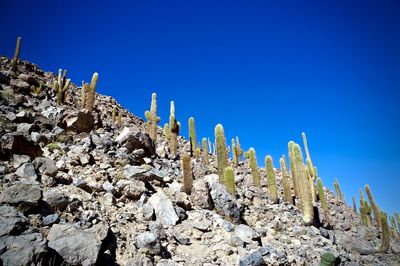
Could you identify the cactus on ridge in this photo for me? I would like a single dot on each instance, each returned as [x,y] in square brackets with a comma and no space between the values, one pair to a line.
[239,151]
[273,191]
[60,86]
[113,114]
[229,175]
[338,191]
[187,174]
[15,60]
[385,244]
[394,227]
[287,194]
[374,207]
[254,167]
[166,131]
[152,118]
[220,143]
[322,197]
[192,136]
[204,151]
[292,164]
[91,92]
[234,153]
[174,128]
[119,122]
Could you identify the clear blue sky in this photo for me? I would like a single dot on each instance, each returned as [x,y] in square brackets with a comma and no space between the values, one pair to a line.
[266,70]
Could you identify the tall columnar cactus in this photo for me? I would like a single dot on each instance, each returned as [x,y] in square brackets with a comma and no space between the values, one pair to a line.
[338,191]
[309,164]
[113,114]
[60,86]
[354,204]
[204,151]
[374,207]
[187,174]
[15,60]
[166,131]
[385,244]
[234,153]
[174,128]
[363,209]
[152,118]
[394,227]
[84,92]
[220,144]
[322,197]
[91,92]
[273,191]
[229,176]
[254,167]
[287,194]
[293,168]
[119,122]
[239,151]
[192,135]
[397,219]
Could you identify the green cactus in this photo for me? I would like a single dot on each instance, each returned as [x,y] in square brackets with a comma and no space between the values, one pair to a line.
[338,191]
[234,153]
[197,153]
[354,204]
[113,114]
[397,219]
[246,155]
[363,209]
[394,227]
[90,90]
[222,159]
[15,60]
[229,176]
[187,174]
[254,168]
[166,131]
[119,119]
[374,207]
[174,128]
[385,244]
[322,197]
[273,191]
[293,168]
[204,151]
[328,259]
[287,194]
[152,118]
[239,151]
[192,135]
[60,86]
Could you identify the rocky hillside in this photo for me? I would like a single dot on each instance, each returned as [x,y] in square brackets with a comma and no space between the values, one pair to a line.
[77,188]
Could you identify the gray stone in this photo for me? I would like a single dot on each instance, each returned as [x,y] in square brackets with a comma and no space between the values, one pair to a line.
[11,221]
[25,249]
[200,194]
[77,246]
[78,121]
[132,189]
[24,128]
[21,194]
[225,204]
[253,258]
[351,243]
[143,173]
[148,243]
[182,239]
[133,138]
[56,199]
[51,219]
[246,233]
[165,212]
[18,160]
[27,171]
[45,166]
[19,144]
[107,186]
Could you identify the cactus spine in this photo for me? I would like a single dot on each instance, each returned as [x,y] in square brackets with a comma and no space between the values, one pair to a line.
[287,194]
[60,86]
[385,233]
[254,168]
[229,175]
[174,128]
[220,143]
[187,174]
[152,118]
[273,191]
[322,197]
[192,135]
[293,168]
[15,60]
[374,207]
[204,151]
[234,153]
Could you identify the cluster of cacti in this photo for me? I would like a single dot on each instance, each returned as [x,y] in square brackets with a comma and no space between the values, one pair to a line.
[88,93]
[321,194]
[234,153]
[229,175]
[385,244]
[204,151]
[187,174]
[37,90]
[171,131]
[287,194]
[220,143]
[15,60]
[60,86]
[272,189]
[152,118]
[192,136]
[254,167]
[374,207]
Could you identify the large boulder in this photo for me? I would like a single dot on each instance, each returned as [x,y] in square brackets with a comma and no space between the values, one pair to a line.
[78,121]
[225,204]
[12,222]
[163,208]
[26,195]
[143,173]
[351,243]
[133,139]
[27,172]
[77,246]
[200,194]
[45,166]
[18,144]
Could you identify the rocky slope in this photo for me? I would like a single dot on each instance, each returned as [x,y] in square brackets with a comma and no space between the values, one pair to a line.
[75,189]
